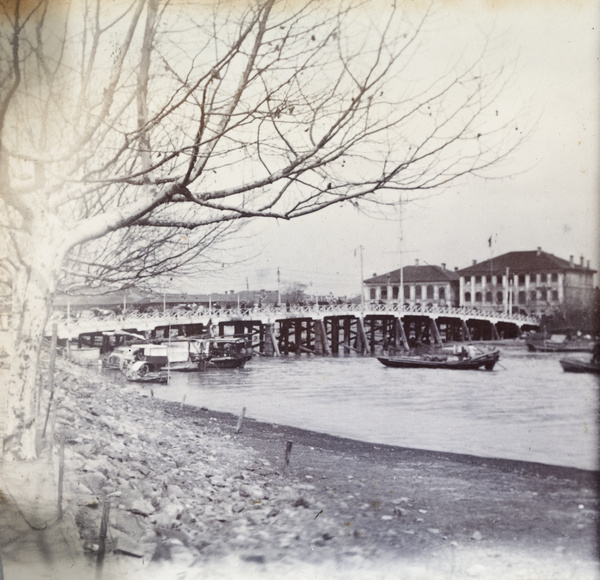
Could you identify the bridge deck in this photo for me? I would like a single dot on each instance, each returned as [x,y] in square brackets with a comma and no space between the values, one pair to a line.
[269,314]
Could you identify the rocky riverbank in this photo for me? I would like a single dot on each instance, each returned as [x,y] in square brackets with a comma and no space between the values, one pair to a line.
[191,497]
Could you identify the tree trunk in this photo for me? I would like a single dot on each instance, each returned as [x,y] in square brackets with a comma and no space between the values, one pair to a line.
[32,299]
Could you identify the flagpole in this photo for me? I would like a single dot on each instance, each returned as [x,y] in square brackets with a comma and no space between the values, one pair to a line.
[401,248]
[493,286]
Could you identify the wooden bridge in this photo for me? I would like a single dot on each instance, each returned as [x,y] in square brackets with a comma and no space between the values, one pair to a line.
[331,329]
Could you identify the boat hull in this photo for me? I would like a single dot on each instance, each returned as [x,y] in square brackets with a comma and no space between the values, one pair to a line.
[406,362]
[160,378]
[237,362]
[550,347]
[579,366]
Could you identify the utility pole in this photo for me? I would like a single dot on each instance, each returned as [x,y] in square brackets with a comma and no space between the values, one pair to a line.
[362,277]
[278,287]
[401,244]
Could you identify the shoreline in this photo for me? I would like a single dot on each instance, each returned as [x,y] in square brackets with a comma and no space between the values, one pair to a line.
[256,428]
[191,498]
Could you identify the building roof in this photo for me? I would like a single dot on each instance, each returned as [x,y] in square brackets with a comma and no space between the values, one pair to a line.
[135,297]
[416,274]
[522,262]
[99,298]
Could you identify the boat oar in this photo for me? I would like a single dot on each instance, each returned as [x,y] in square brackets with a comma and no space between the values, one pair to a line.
[501,365]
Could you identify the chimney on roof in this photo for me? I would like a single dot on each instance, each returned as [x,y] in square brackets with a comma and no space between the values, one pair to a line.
[571,260]
[581,261]
[374,273]
[443,265]
[474,262]
[539,251]
[416,261]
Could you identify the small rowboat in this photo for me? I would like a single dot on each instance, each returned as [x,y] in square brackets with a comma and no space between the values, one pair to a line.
[486,360]
[573,365]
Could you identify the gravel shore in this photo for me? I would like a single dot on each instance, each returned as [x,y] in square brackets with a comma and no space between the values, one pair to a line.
[190,497]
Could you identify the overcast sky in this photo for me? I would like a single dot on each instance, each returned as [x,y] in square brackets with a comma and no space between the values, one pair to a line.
[547,195]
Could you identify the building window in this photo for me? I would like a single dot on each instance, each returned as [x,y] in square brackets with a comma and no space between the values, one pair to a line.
[489,297]
[429,292]
[477,296]
[467,297]
[544,294]
[372,293]
[499,297]
[555,295]
[394,292]
[418,292]
[442,293]
[477,279]
[554,277]
[521,297]
[384,292]
[407,292]
[521,280]
[533,295]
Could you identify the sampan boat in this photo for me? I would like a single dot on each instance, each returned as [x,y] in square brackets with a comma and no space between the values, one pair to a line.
[573,365]
[460,361]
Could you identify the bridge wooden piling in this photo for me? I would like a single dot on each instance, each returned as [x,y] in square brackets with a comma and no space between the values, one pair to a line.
[338,329]
[435,332]
[466,335]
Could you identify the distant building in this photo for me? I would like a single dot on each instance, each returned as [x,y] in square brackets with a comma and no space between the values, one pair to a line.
[533,282]
[425,285]
[134,299]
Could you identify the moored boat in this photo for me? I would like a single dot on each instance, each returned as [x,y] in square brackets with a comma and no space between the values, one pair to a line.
[576,365]
[559,342]
[152,361]
[465,359]
[227,353]
[140,372]
[573,365]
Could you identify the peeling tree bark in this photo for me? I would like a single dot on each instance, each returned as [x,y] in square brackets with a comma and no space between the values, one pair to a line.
[32,300]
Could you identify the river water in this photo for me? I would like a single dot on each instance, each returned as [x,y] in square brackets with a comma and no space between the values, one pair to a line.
[527,408]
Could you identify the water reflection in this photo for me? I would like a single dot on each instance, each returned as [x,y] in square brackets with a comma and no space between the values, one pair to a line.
[530,409]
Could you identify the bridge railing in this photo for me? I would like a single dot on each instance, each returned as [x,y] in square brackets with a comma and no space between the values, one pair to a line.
[109,320]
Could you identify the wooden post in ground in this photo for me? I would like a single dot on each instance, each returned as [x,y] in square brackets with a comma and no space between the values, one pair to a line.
[240,420]
[102,538]
[288,453]
[51,365]
[61,476]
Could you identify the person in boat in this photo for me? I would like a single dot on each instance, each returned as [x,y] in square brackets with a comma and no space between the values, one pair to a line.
[472,351]
[467,352]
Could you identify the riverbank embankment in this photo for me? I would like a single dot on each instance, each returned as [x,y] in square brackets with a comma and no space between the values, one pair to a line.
[191,497]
